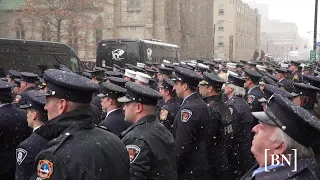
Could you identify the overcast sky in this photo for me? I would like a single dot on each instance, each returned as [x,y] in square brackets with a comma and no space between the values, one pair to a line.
[300,12]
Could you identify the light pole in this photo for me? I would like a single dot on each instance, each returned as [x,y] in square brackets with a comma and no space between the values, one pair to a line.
[315,26]
[214,32]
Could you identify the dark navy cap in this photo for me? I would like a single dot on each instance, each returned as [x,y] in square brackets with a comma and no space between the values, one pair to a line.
[295,63]
[97,73]
[118,81]
[295,121]
[269,90]
[170,66]
[281,70]
[14,74]
[188,76]
[270,70]
[150,71]
[273,77]
[252,64]
[111,90]
[235,80]
[267,80]
[29,77]
[114,74]
[139,69]
[165,70]
[239,66]
[313,80]
[167,84]
[149,64]
[303,89]
[87,74]
[35,100]
[42,83]
[69,86]
[212,80]
[243,62]
[6,86]
[105,68]
[141,94]
[253,75]
[17,81]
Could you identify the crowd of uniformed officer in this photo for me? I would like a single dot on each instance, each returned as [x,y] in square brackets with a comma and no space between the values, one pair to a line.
[190,120]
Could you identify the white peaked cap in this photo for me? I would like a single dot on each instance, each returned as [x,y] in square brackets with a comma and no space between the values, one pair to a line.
[232,73]
[141,65]
[203,66]
[129,73]
[261,68]
[231,65]
[142,77]
[166,61]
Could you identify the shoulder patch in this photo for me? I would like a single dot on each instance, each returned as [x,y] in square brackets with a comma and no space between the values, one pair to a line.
[133,151]
[250,99]
[21,154]
[17,99]
[185,115]
[164,114]
[45,169]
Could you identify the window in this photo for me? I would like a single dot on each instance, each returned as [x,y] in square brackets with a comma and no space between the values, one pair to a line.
[221,28]
[20,33]
[220,41]
[134,4]
[221,11]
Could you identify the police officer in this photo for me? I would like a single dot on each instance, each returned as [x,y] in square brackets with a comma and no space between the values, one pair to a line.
[281,75]
[114,120]
[295,75]
[305,95]
[253,90]
[28,82]
[73,140]
[150,145]
[171,106]
[222,131]
[129,75]
[284,129]
[12,75]
[117,81]
[164,72]
[239,155]
[191,127]
[13,130]
[142,79]
[27,151]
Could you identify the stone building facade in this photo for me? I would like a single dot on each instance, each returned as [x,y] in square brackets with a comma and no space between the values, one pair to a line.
[237,30]
[188,24]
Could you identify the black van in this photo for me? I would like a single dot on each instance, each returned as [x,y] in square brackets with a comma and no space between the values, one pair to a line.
[131,51]
[35,56]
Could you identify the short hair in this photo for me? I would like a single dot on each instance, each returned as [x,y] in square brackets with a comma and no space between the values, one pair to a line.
[302,151]
[42,115]
[74,105]
[237,91]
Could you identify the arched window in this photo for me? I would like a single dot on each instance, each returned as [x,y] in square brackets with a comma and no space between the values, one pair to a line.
[98,29]
[20,33]
[46,31]
[73,36]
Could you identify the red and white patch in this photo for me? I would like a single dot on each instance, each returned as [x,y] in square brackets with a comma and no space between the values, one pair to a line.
[185,115]
[251,98]
[133,151]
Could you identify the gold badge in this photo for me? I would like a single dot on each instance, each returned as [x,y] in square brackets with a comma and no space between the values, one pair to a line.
[163,114]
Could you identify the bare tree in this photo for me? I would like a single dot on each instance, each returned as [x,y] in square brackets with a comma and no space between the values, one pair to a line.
[58,13]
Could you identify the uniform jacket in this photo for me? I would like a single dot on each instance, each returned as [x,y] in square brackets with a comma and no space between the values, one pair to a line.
[168,112]
[78,151]
[21,99]
[191,131]
[96,101]
[306,169]
[115,122]
[239,154]
[252,98]
[26,152]
[295,77]
[286,84]
[151,150]
[222,134]
[13,130]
